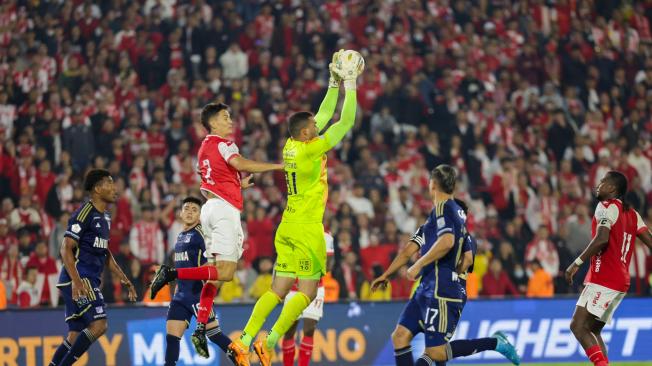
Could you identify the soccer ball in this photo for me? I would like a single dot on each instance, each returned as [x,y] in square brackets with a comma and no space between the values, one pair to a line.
[349,64]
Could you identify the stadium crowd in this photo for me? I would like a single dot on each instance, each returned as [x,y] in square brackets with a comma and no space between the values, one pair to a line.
[532,102]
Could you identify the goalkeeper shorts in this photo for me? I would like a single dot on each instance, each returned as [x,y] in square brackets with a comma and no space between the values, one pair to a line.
[301,250]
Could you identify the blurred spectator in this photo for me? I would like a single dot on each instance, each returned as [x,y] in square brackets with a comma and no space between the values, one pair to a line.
[24,216]
[472,286]
[496,282]
[146,238]
[234,63]
[3,295]
[349,275]
[11,271]
[543,250]
[359,203]
[540,283]
[56,237]
[261,235]
[264,280]
[384,294]
[29,290]
[47,273]
[7,238]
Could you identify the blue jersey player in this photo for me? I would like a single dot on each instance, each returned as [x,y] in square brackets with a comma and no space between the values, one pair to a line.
[84,253]
[437,303]
[188,253]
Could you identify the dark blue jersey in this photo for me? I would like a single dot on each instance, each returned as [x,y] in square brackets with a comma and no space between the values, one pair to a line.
[440,277]
[90,229]
[189,252]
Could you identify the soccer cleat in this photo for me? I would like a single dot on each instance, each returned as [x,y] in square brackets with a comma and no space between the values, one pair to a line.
[198,340]
[505,348]
[239,353]
[163,276]
[264,354]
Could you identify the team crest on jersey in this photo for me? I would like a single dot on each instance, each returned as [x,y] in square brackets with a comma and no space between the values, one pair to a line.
[75,228]
[441,222]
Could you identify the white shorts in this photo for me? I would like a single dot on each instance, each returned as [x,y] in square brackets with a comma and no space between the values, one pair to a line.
[315,310]
[600,301]
[222,229]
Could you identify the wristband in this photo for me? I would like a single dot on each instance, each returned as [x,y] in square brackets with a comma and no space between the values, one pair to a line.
[333,83]
[349,84]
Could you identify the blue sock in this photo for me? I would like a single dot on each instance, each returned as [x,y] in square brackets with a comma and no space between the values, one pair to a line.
[424,360]
[216,336]
[82,343]
[467,347]
[171,350]
[60,353]
[403,356]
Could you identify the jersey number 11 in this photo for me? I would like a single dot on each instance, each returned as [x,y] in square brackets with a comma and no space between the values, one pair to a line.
[291,180]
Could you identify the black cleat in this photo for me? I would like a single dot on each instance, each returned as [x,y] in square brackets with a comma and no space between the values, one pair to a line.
[199,341]
[163,276]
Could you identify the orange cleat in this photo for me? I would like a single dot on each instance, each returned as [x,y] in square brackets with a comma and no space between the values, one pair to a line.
[264,354]
[240,353]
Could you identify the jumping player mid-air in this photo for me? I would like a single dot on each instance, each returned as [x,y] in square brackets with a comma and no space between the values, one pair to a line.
[188,253]
[220,165]
[438,301]
[615,227]
[84,253]
[299,242]
[311,316]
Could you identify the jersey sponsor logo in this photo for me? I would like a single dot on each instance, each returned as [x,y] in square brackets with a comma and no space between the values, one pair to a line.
[598,263]
[101,243]
[597,297]
[181,256]
[75,228]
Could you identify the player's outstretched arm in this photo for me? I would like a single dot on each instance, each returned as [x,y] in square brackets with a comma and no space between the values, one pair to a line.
[438,250]
[327,107]
[115,269]
[337,131]
[599,242]
[402,258]
[251,166]
[68,257]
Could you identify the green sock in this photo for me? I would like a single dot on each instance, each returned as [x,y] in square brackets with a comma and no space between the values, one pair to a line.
[291,311]
[262,309]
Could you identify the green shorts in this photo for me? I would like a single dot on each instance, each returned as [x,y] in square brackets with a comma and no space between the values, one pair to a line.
[301,250]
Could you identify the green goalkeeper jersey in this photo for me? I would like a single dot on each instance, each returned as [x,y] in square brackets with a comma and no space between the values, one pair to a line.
[305,161]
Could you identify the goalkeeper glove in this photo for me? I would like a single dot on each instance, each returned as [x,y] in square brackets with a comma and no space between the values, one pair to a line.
[349,69]
[334,79]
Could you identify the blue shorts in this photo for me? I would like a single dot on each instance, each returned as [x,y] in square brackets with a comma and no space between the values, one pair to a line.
[437,319]
[80,313]
[185,310]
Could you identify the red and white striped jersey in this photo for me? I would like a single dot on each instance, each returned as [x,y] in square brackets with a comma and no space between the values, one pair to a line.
[217,175]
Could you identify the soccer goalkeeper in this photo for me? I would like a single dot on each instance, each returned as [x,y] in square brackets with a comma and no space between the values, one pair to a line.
[299,242]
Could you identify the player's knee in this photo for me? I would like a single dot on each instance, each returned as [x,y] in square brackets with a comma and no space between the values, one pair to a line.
[309,329]
[401,337]
[436,353]
[577,327]
[98,328]
[225,270]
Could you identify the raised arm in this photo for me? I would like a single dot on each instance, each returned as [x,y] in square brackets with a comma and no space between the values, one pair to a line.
[335,133]
[327,108]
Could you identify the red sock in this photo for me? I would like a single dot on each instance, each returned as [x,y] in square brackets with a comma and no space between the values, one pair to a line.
[305,351]
[596,356]
[289,349]
[204,273]
[208,293]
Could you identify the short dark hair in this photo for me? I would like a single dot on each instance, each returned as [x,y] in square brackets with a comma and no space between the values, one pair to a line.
[298,122]
[93,177]
[191,199]
[619,180]
[445,176]
[209,111]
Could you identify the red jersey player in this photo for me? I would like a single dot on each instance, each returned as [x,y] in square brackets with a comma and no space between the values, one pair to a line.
[615,228]
[219,165]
